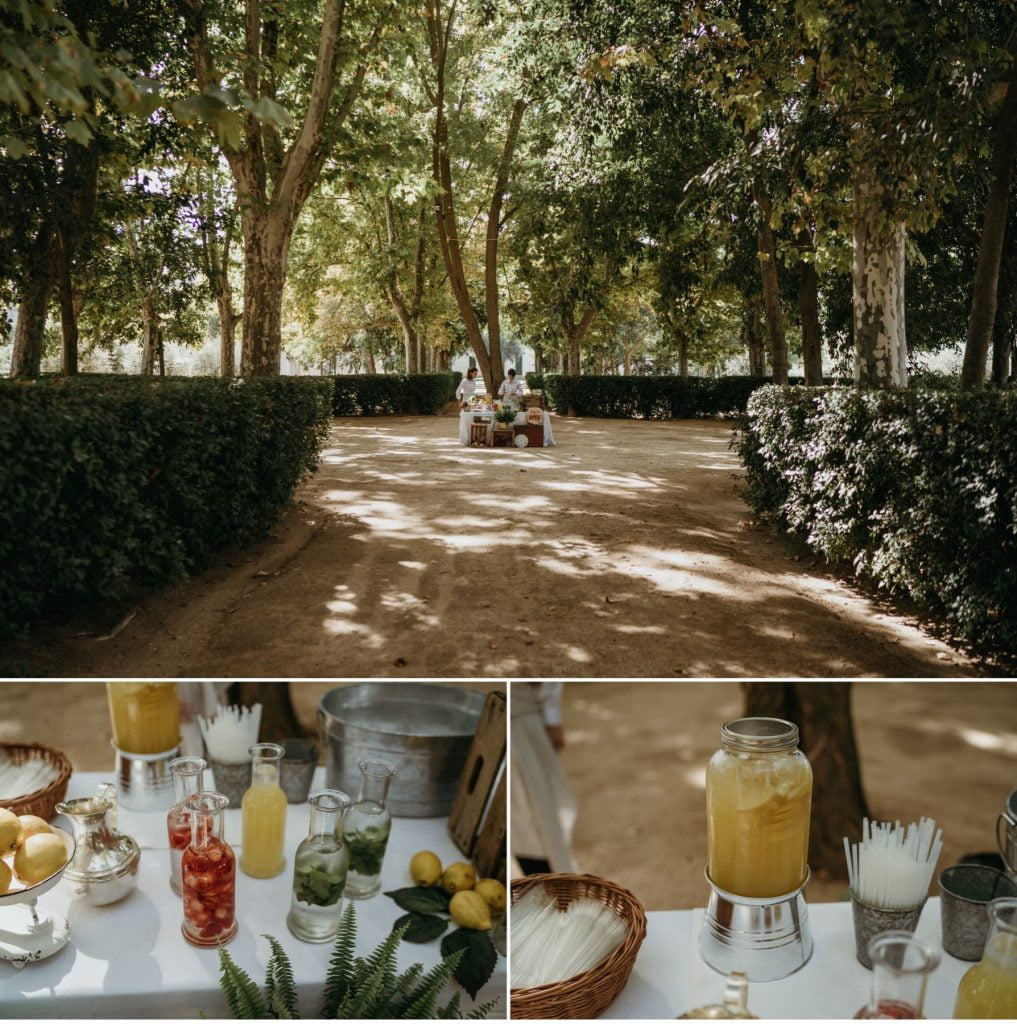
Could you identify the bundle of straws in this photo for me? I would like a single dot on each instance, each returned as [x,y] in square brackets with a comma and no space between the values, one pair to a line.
[891,867]
[231,733]
[18,780]
[551,945]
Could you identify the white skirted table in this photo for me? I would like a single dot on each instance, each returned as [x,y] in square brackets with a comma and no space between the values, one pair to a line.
[130,960]
[670,978]
[467,419]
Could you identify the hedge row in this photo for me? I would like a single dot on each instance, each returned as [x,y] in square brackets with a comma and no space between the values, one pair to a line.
[385,394]
[108,481]
[917,489]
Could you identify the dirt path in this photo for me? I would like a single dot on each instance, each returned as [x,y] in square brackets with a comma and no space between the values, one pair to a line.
[624,551]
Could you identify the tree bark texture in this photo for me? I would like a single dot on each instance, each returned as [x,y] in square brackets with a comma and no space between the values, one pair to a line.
[990,252]
[822,712]
[228,320]
[266,248]
[1002,354]
[149,337]
[36,290]
[771,292]
[68,314]
[877,280]
[755,342]
[278,717]
[808,312]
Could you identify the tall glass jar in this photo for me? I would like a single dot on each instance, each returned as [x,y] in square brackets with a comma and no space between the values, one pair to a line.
[319,870]
[209,872]
[188,775]
[989,989]
[145,716]
[901,966]
[262,852]
[758,799]
[366,829]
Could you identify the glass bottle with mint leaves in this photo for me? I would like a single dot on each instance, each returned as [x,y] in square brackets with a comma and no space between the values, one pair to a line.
[319,870]
[366,829]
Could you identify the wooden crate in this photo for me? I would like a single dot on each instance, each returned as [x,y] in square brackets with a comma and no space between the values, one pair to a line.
[503,438]
[478,819]
[534,433]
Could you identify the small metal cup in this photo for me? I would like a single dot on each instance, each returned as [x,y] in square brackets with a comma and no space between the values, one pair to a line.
[871,921]
[297,769]
[966,889]
[232,780]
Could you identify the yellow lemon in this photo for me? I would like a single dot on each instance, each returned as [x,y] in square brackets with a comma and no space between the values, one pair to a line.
[5,877]
[32,826]
[493,893]
[458,876]
[38,857]
[10,830]
[470,910]
[425,868]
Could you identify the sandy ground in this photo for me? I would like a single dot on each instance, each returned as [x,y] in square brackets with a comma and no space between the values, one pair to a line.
[946,750]
[74,717]
[625,551]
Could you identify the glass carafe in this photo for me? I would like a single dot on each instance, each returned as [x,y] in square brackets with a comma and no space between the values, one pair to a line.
[319,870]
[989,989]
[209,872]
[145,716]
[901,966]
[366,828]
[758,799]
[188,774]
[262,853]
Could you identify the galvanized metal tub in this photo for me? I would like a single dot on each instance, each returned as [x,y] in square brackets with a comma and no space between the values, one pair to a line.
[423,730]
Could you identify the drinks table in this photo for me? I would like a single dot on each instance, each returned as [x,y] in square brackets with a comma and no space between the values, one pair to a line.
[466,420]
[130,959]
[670,978]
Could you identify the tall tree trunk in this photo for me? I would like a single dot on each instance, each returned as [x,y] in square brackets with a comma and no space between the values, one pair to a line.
[877,279]
[771,291]
[228,320]
[149,337]
[1002,353]
[808,312]
[984,292]
[369,364]
[36,289]
[68,314]
[266,246]
[755,343]
[822,712]
[278,716]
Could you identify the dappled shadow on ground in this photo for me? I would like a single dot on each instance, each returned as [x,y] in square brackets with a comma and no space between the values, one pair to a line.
[624,551]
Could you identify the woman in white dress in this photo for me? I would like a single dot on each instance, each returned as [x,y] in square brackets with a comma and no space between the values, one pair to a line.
[511,389]
[467,388]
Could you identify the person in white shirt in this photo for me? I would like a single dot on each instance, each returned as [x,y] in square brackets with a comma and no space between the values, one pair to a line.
[511,389]
[467,388]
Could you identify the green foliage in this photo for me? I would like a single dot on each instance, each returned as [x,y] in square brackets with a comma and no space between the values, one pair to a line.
[421,899]
[916,490]
[420,927]
[478,957]
[386,394]
[108,481]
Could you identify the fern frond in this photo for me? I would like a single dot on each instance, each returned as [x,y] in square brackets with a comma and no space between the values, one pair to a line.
[483,1011]
[280,986]
[425,998]
[450,1011]
[245,1000]
[376,975]
[341,966]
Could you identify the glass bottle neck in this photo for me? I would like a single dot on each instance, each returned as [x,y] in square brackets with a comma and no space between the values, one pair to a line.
[1001,946]
[187,775]
[374,789]
[264,773]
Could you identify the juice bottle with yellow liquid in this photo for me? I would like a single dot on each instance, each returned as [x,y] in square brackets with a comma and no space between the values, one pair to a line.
[262,853]
[989,989]
[758,800]
[145,716]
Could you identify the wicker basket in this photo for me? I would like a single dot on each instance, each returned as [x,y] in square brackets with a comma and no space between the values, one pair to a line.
[42,802]
[589,993]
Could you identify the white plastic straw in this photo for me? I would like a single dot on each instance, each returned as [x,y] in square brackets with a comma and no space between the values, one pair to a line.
[892,866]
[230,734]
[551,945]
[28,777]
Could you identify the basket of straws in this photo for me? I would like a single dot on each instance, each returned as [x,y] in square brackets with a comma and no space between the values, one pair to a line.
[33,778]
[574,942]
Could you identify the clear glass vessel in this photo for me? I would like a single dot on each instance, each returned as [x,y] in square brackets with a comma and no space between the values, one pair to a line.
[145,716]
[366,829]
[989,989]
[209,872]
[262,851]
[758,801]
[188,778]
[320,867]
[901,966]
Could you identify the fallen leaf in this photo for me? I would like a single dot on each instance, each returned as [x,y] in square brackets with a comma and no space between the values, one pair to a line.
[399,662]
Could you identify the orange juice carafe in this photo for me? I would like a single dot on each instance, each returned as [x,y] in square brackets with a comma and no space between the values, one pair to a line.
[262,853]
[145,716]
[989,989]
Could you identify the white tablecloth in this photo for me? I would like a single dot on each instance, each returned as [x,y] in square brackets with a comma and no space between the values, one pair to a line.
[466,419]
[130,960]
[670,977]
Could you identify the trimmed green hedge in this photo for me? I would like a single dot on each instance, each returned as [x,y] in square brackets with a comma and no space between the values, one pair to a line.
[386,394]
[108,481]
[917,489]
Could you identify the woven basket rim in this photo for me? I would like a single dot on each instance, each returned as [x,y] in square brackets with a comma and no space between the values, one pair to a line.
[58,757]
[637,931]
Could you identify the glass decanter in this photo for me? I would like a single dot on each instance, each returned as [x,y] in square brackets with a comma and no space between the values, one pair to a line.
[901,966]
[989,989]
[366,829]
[209,872]
[319,870]
[262,850]
[188,774]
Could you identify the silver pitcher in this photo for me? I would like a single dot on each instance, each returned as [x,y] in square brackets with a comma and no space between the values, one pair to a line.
[1006,835]
[104,867]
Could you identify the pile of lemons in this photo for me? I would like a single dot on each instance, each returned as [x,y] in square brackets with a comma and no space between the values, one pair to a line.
[38,851]
[473,899]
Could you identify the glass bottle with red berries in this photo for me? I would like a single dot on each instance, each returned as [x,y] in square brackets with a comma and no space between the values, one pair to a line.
[188,774]
[209,871]
[901,965]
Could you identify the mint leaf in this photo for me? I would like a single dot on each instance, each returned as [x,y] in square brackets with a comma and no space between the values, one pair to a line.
[421,927]
[479,957]
[421,901]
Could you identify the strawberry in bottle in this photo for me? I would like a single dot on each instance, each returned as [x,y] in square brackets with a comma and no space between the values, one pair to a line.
[188,775]
[209,874]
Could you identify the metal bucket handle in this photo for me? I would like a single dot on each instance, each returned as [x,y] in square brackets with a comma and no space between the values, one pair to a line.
[1012,868]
